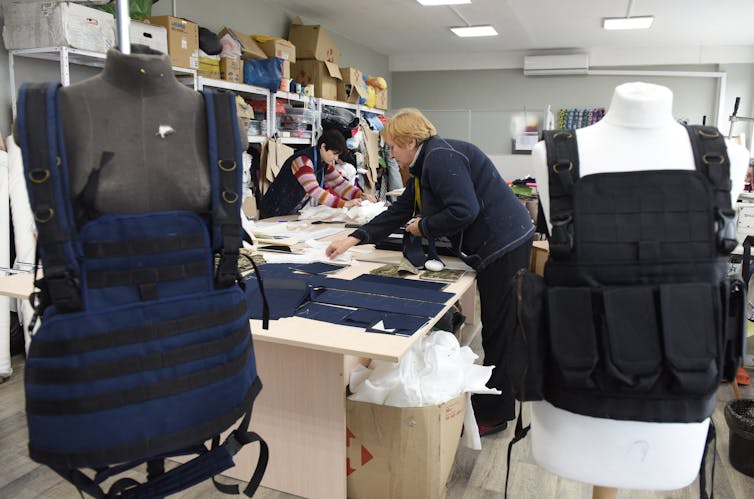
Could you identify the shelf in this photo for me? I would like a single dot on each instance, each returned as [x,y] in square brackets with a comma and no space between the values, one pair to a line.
[296,140]
[229,85]
[257,139]
[292,96]
[336,103]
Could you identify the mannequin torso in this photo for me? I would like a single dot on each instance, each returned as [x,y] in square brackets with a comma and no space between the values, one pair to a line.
[143,130]
[637,133]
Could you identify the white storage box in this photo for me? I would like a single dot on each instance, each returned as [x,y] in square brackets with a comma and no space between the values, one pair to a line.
[153,36]
[57,23]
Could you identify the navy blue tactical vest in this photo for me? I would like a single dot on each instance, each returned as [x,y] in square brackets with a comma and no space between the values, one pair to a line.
[144,350]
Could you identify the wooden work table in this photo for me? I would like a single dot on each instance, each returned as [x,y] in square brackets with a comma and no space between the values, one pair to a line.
[304,367]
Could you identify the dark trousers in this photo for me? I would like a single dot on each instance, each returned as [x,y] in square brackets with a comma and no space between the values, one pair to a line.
[497,299]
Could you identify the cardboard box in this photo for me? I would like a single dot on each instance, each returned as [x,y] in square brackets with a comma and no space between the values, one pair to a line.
[54,23]
[352,87]
[381,100]
[277,47]
[154,37]
[209,67]
[401,453]
[231,69]
[249,48]
[312,42]
[540,252]
[183,40]
[325,76]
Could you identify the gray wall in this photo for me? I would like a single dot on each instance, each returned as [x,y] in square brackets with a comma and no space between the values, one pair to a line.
[481,106]
[248,16]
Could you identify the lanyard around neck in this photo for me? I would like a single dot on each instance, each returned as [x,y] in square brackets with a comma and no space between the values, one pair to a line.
[417,197]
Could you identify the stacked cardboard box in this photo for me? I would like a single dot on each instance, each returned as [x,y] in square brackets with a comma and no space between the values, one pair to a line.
[183,40]
[317,59]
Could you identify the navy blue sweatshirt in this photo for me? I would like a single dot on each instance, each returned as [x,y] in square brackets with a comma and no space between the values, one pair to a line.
[464,198]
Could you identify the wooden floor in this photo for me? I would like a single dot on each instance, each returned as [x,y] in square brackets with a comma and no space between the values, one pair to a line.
[477,474]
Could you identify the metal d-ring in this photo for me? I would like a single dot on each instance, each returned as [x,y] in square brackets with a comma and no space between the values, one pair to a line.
[36,179]
[40,219]
[706,158]
[707,135]
[229,197]
[556,170]
[230,169]
[58,161]
[563,134]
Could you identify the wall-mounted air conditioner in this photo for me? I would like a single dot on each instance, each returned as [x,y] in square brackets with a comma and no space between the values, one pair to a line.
[569,64]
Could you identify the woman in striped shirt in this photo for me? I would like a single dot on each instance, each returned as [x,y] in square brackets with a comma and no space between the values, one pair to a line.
[310,175]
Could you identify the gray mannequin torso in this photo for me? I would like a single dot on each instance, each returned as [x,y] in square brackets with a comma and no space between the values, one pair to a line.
[143,130]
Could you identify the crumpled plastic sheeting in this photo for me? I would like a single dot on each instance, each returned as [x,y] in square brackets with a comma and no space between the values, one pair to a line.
[436,369]
[357,214]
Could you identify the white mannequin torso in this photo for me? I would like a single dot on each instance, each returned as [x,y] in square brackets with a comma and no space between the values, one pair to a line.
[637,133]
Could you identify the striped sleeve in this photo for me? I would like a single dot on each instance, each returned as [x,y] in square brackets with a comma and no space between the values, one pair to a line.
[303,170]
[340,185]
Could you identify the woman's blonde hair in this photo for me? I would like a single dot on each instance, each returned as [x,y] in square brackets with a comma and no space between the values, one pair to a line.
[408,123]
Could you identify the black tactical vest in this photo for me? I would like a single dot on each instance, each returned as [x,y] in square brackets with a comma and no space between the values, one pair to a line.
[635,318]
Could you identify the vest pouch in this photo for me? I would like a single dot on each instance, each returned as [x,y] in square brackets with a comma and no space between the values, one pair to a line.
[138,380]
[632,349]
[690,327]
[572,340]
[526,353]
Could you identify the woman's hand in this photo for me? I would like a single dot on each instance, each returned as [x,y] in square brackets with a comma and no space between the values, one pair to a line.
[352,202]
[413,227]
[341,246]
[370,197]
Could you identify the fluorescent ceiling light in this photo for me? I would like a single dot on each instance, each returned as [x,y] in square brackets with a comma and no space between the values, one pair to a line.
[465,31]
[443,2]
[640,22]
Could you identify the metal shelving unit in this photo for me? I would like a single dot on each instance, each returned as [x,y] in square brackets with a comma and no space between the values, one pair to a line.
[246,90]
[299,101]
[66,56]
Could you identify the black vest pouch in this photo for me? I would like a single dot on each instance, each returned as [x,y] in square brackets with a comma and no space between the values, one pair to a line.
[526,354]
[631,343]
[572,339]
[690,329]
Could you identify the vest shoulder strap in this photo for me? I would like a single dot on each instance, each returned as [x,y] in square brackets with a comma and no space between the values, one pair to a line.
[563,172]
[711,159]
[46,171]
[225,158]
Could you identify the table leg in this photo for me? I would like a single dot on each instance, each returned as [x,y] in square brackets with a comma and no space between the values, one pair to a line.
[301,413]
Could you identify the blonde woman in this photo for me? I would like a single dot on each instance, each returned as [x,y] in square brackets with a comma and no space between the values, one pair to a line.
[455,191]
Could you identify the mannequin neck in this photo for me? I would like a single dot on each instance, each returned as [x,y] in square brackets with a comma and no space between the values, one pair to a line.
[640,105]
[142,74]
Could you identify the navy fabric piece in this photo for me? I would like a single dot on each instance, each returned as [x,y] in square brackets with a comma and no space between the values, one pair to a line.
[317,268]
[398,289]
[324,313]
[413,250]
[374,302]
[399,281]
[404,325]
[284,296]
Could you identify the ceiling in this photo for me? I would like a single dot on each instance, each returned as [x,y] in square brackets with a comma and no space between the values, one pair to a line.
[396,28]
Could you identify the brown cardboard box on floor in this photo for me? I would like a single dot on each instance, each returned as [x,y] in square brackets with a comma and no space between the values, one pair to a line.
[540,252]
[401,452]
[325,76]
